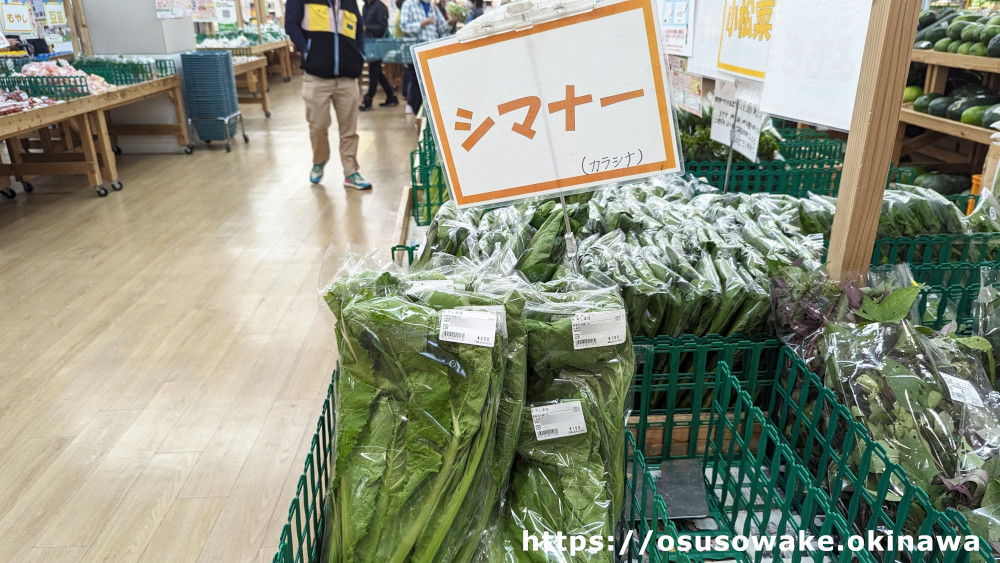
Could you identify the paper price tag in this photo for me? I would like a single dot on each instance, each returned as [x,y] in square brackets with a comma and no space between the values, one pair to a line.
[424,285]
[497,310]
[478,328]
[571,248]
[558,421]
[962,391]
[604,328]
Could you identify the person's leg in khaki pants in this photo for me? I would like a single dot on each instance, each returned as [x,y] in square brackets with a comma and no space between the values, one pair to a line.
[346,101]
[317,93]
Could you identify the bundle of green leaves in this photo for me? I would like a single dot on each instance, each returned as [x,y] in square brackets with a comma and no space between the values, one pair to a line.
[417,452]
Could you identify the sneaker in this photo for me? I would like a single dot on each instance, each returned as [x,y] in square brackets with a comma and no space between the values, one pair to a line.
[316,174]
[357,182]
[365,107]
[389,103]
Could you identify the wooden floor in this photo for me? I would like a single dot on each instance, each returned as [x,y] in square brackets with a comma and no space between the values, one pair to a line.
[164,354]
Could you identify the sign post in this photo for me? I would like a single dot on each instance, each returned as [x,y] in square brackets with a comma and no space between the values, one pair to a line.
[527,108]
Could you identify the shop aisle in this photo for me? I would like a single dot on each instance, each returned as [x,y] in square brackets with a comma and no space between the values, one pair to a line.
[164,354]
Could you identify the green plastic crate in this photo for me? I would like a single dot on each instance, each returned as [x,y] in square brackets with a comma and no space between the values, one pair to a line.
[301,538]
[127,73]
[680,376]
[792,177]
[794,134]
[753,484]
[976,248]
[429,190]
[804,148]
[55,87]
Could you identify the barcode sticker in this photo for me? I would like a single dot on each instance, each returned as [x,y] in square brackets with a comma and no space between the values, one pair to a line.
[962,391]
[478,328]
[558,421]
[499,310]
[604,328]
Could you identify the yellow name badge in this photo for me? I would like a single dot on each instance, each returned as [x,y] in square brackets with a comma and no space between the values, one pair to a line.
[349,24]
[318,18]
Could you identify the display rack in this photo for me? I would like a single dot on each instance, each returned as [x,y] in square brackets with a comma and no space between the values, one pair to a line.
[938,65]
[278,54]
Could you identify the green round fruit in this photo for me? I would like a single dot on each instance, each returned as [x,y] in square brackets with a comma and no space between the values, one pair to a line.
[911,93]
[974,115]
[942,45]
[965,48]
[971,32]
[956,28]
[995,20]
[923,102]
[955,44]
[988,32]
[978,49]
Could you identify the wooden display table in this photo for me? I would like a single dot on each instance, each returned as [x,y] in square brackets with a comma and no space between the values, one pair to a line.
[282,52]
[253,76]
[85,119]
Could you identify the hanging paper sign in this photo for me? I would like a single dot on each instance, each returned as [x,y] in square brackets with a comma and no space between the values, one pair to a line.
[676,18]
[16,18]
[746,37]
[565,105]
[806,79]
[204,11]
[687,88]
[749,119]
[225,12]
[55,15]
[723,112]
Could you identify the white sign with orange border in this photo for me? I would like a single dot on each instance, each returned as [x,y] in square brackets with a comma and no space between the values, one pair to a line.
[16,18]
[746,37]
[565,105]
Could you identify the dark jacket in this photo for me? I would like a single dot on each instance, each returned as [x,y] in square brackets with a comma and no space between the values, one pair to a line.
[329,34]
[376,18]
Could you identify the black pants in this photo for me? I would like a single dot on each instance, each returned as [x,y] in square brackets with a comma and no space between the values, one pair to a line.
[375,77]
[414,97]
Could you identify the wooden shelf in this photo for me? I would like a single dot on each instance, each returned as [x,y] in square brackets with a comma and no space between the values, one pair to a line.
[958,129]
[952,60]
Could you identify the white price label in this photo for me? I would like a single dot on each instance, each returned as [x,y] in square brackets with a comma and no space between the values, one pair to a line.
[993,213]
[571,248]
[962,391]
[604,328]
[432,285]
[478,328]
[497,310]
[558,421]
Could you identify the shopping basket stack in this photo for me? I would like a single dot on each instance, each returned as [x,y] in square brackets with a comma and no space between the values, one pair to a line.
[210,91]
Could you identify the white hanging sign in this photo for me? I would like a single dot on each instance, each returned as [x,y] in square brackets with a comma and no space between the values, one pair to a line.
[561,106]
[806,79]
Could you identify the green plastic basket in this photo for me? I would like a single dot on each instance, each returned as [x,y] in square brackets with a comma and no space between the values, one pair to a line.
[803,148]
[753,483]
[795,177]
[796,134]
[429,190]
[389,50]
[55,87]
[976,248]
[678,374]
[127,73]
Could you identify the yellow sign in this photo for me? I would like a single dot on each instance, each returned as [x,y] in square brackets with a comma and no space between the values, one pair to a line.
[54,15]
[16,18]
[746,37]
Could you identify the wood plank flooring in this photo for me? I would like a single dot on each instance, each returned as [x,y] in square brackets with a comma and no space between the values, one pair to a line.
[164,354]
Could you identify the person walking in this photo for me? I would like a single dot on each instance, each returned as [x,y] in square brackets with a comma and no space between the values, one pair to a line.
[330,36]
[423,22]
[376,19]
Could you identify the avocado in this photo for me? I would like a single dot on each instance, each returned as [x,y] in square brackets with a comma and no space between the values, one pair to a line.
[965,48]
[955,44]
[993,48]
[971,32]
[956,28]
[974,115]
[978,49]
[939,107]
[956,109]
[988,32]
[942,45]
[927,46]
[921,103]
[991,116]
